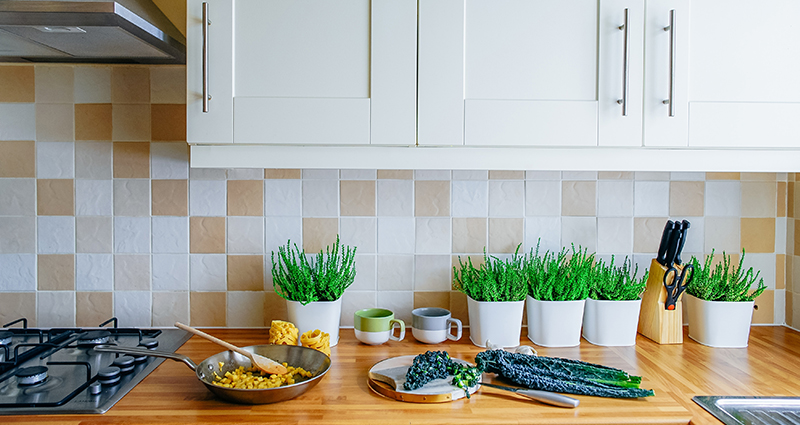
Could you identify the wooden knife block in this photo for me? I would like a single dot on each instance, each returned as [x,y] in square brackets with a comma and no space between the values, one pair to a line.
[655,322]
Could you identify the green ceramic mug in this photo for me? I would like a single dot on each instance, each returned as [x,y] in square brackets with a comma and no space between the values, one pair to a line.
[375,326]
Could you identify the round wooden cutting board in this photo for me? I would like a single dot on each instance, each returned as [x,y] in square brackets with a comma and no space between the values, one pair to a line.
[393,370]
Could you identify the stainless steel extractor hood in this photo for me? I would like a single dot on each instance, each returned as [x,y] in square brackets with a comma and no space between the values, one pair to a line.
[88,31]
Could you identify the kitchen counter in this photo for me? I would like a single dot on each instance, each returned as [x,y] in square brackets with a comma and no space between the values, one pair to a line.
[172,394]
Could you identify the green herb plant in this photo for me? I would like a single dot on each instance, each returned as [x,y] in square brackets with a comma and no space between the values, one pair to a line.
[722,282]
[559,276]
[494,280]
[323,278]
[616,283]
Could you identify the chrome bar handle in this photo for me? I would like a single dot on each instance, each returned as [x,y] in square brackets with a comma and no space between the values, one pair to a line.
[671,28]
[206,23]
[625,64]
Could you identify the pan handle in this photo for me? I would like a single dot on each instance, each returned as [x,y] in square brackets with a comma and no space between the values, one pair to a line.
[145,352]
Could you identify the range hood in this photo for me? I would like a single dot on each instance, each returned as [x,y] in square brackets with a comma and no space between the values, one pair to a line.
[88,31]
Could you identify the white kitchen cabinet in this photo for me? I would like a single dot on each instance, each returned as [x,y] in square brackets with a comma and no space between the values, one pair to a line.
[303,72]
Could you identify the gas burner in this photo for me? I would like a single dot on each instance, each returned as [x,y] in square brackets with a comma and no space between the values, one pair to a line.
[149,343]
[124,363]
[108,375]
[5,337]
[93,338]
[31,375]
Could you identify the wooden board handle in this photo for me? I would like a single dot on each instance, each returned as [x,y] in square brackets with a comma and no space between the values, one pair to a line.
[213,339]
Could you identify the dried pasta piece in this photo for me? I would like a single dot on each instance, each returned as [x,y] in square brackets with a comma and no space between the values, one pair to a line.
[318,340]
[284,333]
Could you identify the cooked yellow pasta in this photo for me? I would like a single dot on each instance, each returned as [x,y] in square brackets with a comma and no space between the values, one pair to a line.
[284,333]
[318,340]
[253,379]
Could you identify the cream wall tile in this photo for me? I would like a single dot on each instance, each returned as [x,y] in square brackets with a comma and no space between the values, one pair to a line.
[245,235]
[764,311]
[94,272]
[647,235]
[320,198]
[55,197]
[133,308]
[18,159]
[131,272]
[275,308]
[432,198]
[246,309]
[647,175]
[395,198]
[542,198]
[130,85]
[782,198]
[723,198]
[458,307]
[208,309]
[170,197]
[170,272]
[506,175]
[579,175]
[432,299]
[16,305]
[55,122]
[17,121]
[280,230]
[395,272]
[93,234]
[17,235]
[93,308]
[207,235]
[207,174]
[170,235]
[400,302]
[245,273]
[169,160]
[170,307]
[615,175]
[770,177]
[505,234]
[432,273]
[207,197]
[650,198]
[92,84]
[578,198]
[470,175]
[469,235]
[615,235]
[758,234]
[131,160]
[17,272]
[56,235]
[546,231]
[506,198]
[93,160]
[359,232]
[615,198]
[132,198]
[245,197]
[17,84]
[54,84]
[366,273]
[17,196]
[353,301]
[431,174]
[94,197]
[319,233]
[759,199]
[168,84]
[56,272]
[358,174]
[396,174]
[686,198]
[581,231]
[168,122]
[208,272]
[55,160]
[132,235]
[55,309]
[432,236]
[722,234]
[357,198]
[283,198]
[470,198]
[685,176]
[130,122]
[280,173]
[315,174]
[396,235]
[93,121]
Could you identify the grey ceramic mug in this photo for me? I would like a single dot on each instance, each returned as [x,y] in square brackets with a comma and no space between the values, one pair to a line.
[432,325]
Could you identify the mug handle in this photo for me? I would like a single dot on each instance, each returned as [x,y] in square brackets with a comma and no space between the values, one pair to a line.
[402,329]
[450,322]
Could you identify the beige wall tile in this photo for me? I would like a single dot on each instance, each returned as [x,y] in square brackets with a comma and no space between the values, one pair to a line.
[781,198]
[55,84]
[56,272]
[505,234]
[168,122]
[246,197]
[758,235]
[432,299]
[615,175]
[790,195]
[18,159]
[765,308]
[396,174]
[131,160]
[17,84]
[208,309]
[458,309]
[130,122]
[93,308]
[130,84]
[723,176]
[780,271]
[131,272]
[207,235]
[93,121]
[506,175]
[246,309]
[170,307]
[578,198]
[278,173]
[357,198]
[790,309]
[319,233]
[245,273]
[55,197]
[274,308]
[796,237]
[768,177]
[168,84]
[469,234]
[55,122]
[432,198]
[647,234]
[759,199]
[170,197]
[14,305]
[687,198]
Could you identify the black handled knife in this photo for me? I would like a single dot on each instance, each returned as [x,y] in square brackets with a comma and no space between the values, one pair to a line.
[672,245]
[684,228]
[662,247]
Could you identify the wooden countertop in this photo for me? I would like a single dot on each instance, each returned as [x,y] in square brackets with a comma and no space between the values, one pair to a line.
[172,394]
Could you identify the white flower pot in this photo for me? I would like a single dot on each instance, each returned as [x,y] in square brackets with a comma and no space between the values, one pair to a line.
[555,323]
[497,321]
[719,323]
[322,315]
[611,323]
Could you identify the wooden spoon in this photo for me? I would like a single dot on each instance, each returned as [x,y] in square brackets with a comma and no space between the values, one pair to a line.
[264,363]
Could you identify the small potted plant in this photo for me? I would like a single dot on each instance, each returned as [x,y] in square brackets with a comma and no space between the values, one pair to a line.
[557,290]
[611,314]
[495,298]
[313,288]
[720,300]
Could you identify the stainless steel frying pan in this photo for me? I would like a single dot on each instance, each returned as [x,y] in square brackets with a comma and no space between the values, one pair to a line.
[309,359]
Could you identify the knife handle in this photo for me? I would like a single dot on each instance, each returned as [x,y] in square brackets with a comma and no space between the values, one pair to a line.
[553,399]
[662,247]
[672,245]
[684,228]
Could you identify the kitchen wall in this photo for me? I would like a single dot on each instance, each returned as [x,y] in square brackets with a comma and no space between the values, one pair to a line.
[101,215]
[793,254]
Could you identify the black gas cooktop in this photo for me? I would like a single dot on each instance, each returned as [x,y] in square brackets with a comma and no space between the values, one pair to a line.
[56,370]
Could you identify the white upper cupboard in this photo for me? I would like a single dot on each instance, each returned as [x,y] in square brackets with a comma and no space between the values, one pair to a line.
[301,72]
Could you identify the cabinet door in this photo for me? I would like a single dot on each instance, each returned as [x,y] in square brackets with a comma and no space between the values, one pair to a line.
[508,72]
[744,69]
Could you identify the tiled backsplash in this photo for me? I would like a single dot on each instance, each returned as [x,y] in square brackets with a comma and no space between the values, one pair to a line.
[101,215]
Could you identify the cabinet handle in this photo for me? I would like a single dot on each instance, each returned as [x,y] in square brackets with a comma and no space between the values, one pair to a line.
[206,23]
[671,29]
[625,64]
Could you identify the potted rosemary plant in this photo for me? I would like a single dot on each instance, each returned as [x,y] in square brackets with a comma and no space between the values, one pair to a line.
[558,287]
[495,298]
[611,314]
[720,301]
[313,288]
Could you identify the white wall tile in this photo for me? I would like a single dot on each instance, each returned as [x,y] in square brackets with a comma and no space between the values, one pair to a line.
[170,272]
[543,175]
[17,235]
[470,175]
[395,235]
[432,273]
[283,198]
[366,273]
[133,308]
[780,235]
[170,307]
[506,198]
[56,235]
[353,301]
[395,198]
[319,174]
[542,198]
[171,235]
[780,306]
[359,232]
[132,235]
[431,174]
[651,175]
[723,199]
[395,272]
[17,197]
[208,272]
[94,234]
[470,198]
[17,272]
[763,264]
[400,302]
[433,236]
[94,272]
[55,160]
[246,174]
[279,230]
[17,121]
[169,160]
[695,236]
[722,234]
[615,198]
[131,272]
[651,199]
[245,309]
[208,198]
[132,197]
[685,176]
[581,231]
[579,175]
[94,197]
[55,309]
[615,235]
[208,173]
[93,160]
[92,84]
[546,231]
[358,174]
[245,235]
[320,198]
